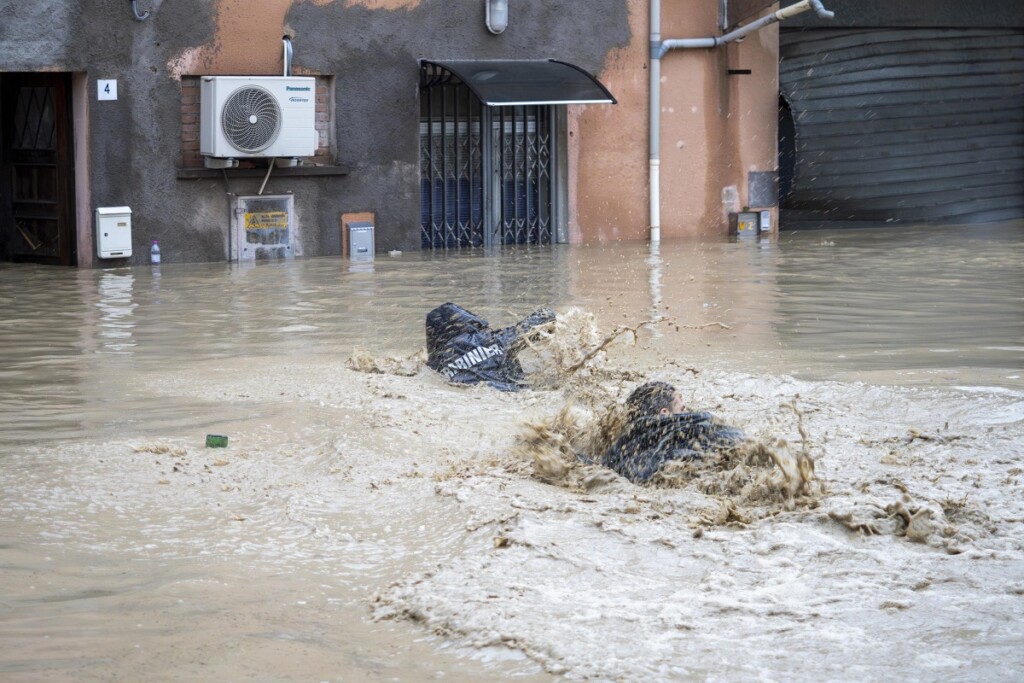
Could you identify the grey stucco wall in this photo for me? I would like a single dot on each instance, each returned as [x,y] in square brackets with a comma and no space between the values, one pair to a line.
[135,142]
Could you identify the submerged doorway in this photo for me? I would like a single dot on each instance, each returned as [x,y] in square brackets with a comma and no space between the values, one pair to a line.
[485,172]
[787,152]
[37,216]
[492,141]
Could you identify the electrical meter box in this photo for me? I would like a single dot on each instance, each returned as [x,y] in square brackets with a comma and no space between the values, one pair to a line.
[113,232]
[264,228]
[360,241]
[745,223]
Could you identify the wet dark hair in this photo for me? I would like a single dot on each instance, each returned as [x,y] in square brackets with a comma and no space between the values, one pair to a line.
[650,398]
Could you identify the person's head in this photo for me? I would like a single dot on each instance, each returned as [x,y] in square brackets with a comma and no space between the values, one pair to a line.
[654,398]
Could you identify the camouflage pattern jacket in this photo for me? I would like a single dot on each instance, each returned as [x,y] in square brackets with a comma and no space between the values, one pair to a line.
[647,443]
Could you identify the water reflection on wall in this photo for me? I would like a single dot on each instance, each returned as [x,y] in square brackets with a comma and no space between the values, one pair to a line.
[924,298]
[39,348]
[116,306]
[893,305]
[711,297]
[76,346]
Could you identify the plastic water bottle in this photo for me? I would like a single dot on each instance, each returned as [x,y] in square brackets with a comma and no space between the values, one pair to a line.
[154,254]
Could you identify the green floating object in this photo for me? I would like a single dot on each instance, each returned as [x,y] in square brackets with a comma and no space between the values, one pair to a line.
[216,441]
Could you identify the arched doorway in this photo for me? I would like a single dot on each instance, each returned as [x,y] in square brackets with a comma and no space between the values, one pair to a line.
[787,152]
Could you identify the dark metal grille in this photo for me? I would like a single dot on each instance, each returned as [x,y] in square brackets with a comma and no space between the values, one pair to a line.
[35,126]
[485,173]
[451,168]
[33,180]
[525,162]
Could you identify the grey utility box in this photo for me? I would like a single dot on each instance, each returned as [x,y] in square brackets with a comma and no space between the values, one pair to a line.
[360,241]
[744,223]
[113,232]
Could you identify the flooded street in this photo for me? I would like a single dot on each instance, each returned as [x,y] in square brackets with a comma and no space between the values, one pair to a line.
[384,526]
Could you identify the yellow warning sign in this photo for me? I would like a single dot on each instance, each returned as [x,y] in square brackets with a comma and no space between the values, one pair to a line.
[264,220]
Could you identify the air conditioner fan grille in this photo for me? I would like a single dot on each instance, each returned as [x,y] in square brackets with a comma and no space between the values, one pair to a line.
[251,119]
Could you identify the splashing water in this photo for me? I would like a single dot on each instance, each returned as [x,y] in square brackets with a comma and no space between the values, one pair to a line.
[371,520]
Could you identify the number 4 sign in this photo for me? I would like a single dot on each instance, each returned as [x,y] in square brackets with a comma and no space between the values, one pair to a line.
[106,89]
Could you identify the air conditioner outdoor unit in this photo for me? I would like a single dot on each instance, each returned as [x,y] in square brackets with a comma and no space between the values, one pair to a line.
[243,117]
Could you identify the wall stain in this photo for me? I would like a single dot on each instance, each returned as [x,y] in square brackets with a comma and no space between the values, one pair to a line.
[619,171]
[721,130]
[391,5]
[247,37]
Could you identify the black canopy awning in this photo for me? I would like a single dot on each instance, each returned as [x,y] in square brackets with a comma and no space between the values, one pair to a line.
[506,83]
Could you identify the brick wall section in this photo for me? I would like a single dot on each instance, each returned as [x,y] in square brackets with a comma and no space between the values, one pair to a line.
[190,157]
[190,123]
[324,120]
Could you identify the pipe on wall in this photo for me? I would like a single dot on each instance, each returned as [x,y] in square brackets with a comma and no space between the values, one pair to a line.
[660,48]
[287,46]
[135,11]
[654,124]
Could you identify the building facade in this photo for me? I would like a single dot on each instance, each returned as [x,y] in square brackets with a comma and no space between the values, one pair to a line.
[101,109]
[428,123]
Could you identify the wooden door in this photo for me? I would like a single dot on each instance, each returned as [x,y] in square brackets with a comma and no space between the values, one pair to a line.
[37,170]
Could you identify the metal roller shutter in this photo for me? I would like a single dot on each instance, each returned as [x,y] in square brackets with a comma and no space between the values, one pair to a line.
[918,125]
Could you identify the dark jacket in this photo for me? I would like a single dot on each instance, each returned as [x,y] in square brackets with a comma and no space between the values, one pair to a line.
[648,442]
[463,348]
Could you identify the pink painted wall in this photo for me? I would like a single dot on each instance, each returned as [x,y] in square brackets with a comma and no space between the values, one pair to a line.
[714,129]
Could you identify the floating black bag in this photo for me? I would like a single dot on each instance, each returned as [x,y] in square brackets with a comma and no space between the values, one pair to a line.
[463,348]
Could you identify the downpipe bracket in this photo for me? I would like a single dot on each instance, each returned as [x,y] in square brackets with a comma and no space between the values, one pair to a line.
[135,11]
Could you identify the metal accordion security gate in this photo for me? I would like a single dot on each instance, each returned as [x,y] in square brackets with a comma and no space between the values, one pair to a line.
[486,173]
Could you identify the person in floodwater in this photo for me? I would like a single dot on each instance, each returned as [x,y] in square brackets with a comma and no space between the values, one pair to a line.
[463,347]
[660,430]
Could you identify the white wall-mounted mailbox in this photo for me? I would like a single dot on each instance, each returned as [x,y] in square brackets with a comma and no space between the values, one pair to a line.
[360,241]
[114,231]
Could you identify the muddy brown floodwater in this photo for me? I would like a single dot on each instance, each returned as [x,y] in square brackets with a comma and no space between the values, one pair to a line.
[369,522]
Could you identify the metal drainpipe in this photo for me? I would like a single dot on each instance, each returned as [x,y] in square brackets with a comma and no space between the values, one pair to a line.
[658,50]
[135,10]
[655,123]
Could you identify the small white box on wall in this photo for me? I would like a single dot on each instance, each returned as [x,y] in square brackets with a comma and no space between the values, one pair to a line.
[114,232]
